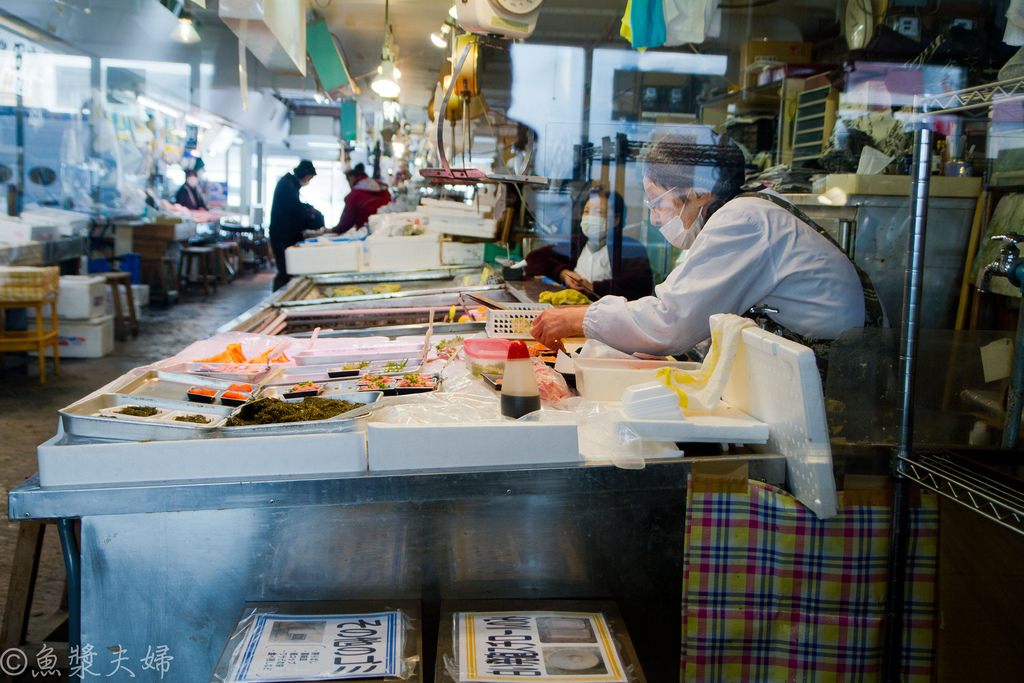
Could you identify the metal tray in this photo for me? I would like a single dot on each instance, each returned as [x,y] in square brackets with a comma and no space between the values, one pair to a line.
[342,423]
[171,386]
[84,419]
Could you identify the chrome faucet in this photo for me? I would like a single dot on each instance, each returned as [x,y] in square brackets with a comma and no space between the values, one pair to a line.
[1008,265]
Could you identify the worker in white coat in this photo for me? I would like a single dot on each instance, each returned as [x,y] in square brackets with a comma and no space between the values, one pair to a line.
[744,251]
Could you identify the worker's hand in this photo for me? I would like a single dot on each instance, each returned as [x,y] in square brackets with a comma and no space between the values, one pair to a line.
[554,324]
[574,280]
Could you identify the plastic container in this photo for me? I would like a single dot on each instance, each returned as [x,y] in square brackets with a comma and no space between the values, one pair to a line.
[519,393]
[93,338]
[604,379]
[81,297]
[485,355]
[324,257]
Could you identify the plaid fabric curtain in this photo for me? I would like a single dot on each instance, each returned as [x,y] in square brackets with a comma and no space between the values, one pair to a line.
[772,593]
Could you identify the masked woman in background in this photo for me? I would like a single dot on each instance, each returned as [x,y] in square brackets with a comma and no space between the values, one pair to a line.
[189,194]
[588,261]
[744,250]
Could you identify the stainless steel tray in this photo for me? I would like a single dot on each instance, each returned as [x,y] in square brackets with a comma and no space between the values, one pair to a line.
[170,386]
[332,389]
[84,418]
[342,423]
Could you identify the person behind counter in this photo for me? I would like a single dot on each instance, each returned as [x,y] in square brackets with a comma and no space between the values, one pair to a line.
[290,217]
[743,250]
[588,261]
[367,196]
[189,195]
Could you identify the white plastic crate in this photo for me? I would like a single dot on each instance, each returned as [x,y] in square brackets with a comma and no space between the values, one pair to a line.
[513,323]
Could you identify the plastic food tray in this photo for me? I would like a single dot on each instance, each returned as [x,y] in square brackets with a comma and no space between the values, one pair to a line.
[92,417]
[514,322]
[340,423]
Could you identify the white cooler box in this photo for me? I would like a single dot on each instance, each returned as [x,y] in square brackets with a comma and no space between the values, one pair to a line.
[403,253]
[323,257]
[462,254]
[81,297]
[93,338]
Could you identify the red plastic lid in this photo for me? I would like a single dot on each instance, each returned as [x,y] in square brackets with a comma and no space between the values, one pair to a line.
[517,350]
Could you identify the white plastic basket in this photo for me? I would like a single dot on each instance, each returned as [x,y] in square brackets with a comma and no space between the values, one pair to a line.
[513,323]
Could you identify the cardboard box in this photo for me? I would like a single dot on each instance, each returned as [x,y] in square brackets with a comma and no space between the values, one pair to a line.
[788,52]
[896,185]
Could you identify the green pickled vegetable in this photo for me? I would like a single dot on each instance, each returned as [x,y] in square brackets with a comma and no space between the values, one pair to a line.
[138,411]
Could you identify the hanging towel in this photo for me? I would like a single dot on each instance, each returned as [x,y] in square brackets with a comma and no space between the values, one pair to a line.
[646,23]
[1014,33]
[702,389]
[626,30]
[691,21]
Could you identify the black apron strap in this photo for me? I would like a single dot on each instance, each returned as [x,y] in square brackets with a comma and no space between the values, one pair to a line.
[873,314]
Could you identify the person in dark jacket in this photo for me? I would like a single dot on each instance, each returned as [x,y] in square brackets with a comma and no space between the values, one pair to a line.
[366,197]
[290,217]
[189,195]
[587,261]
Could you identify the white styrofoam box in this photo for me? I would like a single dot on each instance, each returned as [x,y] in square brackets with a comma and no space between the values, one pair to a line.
[403,253]
[141,294]
[604,379]
[324,257]
[462,254]
[63,222]
[446,446]
[129,462]
[93,338]
[776,381]
[724,424]
[14,231]
[108,306]
[81,297]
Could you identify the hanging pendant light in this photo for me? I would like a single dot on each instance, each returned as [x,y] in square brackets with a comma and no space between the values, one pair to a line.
[185,32]
[386,82]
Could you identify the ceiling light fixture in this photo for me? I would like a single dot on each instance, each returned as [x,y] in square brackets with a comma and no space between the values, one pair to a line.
[385,83]
[440,39]
[185,32]
[398,74]
[153,104]
[453,13]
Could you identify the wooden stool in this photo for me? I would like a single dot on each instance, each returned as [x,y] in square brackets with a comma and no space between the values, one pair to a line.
[200,259]
[122,326]
[33,340]
[226,252]
[17,631]
[234,254]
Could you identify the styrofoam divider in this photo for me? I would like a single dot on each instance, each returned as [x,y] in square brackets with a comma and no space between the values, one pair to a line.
[243,458]
[448,446]
[776,381]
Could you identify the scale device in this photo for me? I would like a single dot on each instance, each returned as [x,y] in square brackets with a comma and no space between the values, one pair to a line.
[504,18]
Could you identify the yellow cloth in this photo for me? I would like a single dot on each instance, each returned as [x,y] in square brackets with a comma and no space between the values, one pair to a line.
[564,297]
[626,30]
[702,389]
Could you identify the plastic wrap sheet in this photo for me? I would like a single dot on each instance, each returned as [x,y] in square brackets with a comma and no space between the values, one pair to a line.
[21,254]
[464,399]
[322,641]
[549,640]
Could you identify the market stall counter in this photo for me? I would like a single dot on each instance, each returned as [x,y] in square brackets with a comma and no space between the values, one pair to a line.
[424,496]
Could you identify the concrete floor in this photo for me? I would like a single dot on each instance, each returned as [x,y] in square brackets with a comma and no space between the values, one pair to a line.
[28,410]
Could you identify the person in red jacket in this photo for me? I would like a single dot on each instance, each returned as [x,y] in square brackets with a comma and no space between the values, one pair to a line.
[366,197]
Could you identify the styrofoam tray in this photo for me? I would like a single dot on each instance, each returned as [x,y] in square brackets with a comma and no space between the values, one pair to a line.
[724,424]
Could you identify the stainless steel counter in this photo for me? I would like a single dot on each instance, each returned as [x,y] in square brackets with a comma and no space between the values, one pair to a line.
[172,564]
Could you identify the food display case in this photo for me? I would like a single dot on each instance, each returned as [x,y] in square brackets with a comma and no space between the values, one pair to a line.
[380,502]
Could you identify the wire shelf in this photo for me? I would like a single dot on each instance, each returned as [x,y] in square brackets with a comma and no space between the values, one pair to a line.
[999,498]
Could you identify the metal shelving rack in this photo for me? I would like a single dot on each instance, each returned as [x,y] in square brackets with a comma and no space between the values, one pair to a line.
[946,474]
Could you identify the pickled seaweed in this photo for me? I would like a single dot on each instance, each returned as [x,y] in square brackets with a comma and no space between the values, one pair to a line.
[198,419]
[138,411]
[274,411]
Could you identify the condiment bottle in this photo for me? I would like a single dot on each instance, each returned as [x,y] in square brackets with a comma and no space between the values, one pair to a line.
[519,393]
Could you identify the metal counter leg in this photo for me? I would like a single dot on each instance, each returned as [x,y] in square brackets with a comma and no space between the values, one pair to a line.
[73,569]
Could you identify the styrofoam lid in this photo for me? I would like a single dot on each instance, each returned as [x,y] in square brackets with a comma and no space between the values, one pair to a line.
[648,391]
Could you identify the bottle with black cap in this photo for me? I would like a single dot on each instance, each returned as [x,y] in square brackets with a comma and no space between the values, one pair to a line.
[519,393]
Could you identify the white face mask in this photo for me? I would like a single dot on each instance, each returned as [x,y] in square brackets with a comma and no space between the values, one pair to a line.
[677,234]
[594,228]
